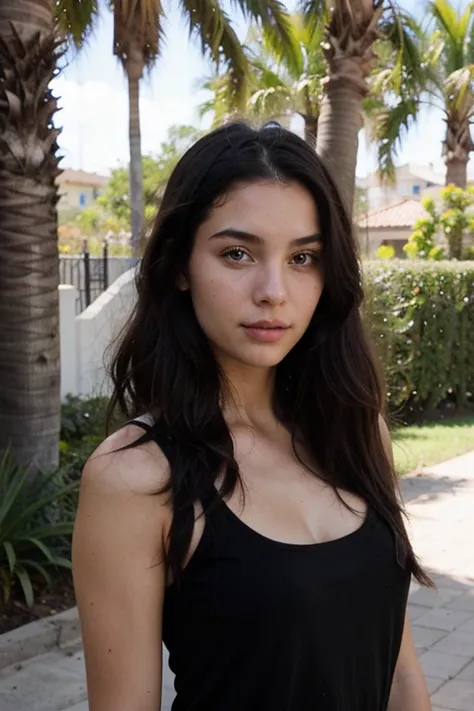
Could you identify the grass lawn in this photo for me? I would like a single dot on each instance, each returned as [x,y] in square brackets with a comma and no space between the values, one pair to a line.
[431,443]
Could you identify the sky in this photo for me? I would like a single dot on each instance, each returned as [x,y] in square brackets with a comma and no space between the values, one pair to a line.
[94,101]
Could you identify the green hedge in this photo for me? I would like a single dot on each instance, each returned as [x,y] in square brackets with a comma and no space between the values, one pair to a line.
[421,314]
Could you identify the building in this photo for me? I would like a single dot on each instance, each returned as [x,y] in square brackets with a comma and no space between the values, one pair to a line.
[411,181]
[78,189]
[391,225]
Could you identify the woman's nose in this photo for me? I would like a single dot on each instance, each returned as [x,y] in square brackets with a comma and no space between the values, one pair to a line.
[270,285]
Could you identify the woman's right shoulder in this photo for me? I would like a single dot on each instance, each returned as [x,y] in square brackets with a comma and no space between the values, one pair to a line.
[118,465]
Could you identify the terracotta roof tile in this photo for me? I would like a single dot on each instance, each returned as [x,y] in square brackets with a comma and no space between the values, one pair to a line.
[403,214]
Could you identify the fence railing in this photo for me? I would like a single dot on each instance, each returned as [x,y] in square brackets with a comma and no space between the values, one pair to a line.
[90,274]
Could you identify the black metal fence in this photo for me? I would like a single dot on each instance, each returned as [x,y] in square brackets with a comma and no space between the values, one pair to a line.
[89,274]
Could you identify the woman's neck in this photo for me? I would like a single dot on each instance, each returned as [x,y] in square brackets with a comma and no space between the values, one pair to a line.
[248,395]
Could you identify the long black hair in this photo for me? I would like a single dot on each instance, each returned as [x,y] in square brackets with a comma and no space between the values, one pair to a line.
[327,389]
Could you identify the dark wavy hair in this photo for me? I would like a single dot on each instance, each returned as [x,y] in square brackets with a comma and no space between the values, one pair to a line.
[327,389]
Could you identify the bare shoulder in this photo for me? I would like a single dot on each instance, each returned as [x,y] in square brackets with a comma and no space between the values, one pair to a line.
[119,567]
[141,469]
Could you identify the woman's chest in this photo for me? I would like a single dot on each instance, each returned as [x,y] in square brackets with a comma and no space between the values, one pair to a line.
[244,578]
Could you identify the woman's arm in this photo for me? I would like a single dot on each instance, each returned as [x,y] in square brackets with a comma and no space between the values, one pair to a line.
[409,692]
[119,574]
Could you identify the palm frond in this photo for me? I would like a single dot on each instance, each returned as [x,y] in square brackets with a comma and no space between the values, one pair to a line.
[404,37]
[316,12]
[138,24]
[459,92]
[454,28]
[273,18]
[76,18]
[465,21]
[433,59]
[389,127]
[266,76]
[446,18]
[270,103]
[222,102]
[293,60]
[470,41]
[211,24]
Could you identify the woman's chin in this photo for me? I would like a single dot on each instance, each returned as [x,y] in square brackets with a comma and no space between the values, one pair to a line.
[261,356]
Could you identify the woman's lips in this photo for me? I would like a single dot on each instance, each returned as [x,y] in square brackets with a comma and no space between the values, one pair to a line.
[266,331]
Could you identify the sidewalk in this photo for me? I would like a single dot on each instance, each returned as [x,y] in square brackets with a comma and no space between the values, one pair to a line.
[440,504]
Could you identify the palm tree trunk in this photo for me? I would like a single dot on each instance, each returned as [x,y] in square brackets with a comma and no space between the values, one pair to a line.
[310,120]
[29,265]
[456,172]
[456,149]
[339,124]
[28,16]
[350,36]
[134,69]
[311,130]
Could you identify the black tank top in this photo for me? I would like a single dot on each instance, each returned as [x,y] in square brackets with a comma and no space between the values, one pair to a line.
[259,625]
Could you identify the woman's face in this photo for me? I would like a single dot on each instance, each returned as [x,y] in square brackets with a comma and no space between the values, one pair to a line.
[254,274]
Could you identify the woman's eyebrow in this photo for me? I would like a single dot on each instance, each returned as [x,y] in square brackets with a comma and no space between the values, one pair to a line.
[255,239]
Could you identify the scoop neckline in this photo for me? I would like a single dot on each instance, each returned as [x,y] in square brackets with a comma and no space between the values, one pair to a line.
[347,538]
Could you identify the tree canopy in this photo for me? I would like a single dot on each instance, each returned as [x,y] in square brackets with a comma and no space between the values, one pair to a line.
[115,201]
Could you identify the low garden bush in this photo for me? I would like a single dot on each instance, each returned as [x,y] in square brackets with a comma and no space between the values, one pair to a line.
[83,425]
[37,515]
[34,540]
[421,315]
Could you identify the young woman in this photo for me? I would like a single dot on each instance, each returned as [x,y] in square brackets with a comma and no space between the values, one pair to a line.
[247,515]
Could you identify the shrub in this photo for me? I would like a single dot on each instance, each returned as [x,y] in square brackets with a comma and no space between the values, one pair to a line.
[456,221]
[82,430]
[386,251]
[30,543]
[421,314]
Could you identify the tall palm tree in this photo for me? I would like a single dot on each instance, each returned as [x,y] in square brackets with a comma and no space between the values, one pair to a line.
[279,85]
[448,59]
[29,274]
[352,30]
[138,42]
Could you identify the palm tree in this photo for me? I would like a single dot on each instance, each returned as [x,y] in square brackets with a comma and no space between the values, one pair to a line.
[29,275]
[352,30]
[448,59]
[139,40]
[279,85]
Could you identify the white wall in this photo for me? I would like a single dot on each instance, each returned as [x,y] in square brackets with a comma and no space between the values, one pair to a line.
[85,338]
[68,339]
[382,195]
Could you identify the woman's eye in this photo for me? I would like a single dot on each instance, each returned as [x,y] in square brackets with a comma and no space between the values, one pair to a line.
[235,254]
[304,259]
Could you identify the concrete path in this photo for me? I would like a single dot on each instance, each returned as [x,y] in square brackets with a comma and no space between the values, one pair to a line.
[441,508]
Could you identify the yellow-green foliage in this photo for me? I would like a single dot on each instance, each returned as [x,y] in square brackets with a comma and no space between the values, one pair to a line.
[385,251]
[456,221]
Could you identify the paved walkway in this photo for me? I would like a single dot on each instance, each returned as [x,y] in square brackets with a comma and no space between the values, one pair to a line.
[441,507]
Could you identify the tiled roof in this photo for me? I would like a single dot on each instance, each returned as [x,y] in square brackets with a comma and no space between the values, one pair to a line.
[80,177]
[403,214]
